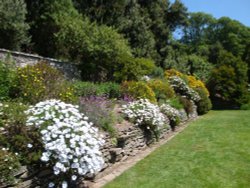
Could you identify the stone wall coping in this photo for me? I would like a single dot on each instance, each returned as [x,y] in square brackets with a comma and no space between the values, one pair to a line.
[34,56]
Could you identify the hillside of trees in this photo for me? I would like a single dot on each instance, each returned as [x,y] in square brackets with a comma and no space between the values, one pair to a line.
[126,39]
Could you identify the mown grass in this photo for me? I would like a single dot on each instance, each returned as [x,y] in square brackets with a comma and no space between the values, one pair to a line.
[212,152]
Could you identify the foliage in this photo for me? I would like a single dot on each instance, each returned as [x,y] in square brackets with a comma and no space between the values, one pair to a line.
[229,80]
[158,72]
[196,84]
[145,114]
[175,103]
[203,105]
[47,19]
[107,89]
[133,24]
[130,68]
[16,135]
[138,90]
[100,111]
[182,88]
[71,143]
[40,81]
[245,106]
[173,72]
[162,89]
[172,114]
[7,79]
[146,24]
[9,164]
[13,28]
[105,51]
[97,48]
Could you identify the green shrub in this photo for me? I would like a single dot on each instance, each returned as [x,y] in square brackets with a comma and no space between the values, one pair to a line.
[138,90]
[84,89]
[158,72]
[204,104]
[162,89]
[9,164]
[228,81]
[16,134]
[12,113]
[7,79]
[175,103]
[130,68]
[108,89]
[187,104]
[41,81]
[245,106]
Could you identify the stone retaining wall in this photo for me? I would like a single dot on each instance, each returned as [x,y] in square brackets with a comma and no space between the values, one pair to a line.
[22,59]
[130,140]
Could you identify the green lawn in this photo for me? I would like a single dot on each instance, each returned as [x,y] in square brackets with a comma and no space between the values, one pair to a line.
[213,151]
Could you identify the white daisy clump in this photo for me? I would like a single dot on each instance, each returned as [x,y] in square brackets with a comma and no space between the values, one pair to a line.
[181,87]
[142,112]
[170,112]
[71,143]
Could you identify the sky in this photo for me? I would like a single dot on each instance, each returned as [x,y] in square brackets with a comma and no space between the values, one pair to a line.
[234,9]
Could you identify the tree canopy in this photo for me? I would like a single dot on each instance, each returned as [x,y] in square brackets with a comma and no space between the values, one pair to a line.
[121,40]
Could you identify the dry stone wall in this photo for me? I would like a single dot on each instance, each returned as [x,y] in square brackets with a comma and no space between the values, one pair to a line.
[22,59]
[130,140]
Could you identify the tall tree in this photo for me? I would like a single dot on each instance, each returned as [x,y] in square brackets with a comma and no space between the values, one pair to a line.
[199,24]
[13,28]
[46,19]
[101,11]
[133,24]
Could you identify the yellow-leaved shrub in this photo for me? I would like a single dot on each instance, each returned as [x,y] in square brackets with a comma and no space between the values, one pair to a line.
[138,90]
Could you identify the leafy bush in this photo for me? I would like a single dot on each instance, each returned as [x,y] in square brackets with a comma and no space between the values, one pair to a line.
[41,81]
[158,72]
[172,72]
[204,104]
[172,114]
[162,89]
[175,103]
[245,106]
[130,68]
[195,83]
[16,135]
[182,88]
[100,112]
[145,114]
[138,90]
[187,104]
[107,89]
[228,80]
[7,79]
[9,164]
[71,143]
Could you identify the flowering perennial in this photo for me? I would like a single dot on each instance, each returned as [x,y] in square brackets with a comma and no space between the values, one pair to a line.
[142,112]
[181,87]
[170,112]
[72,144]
